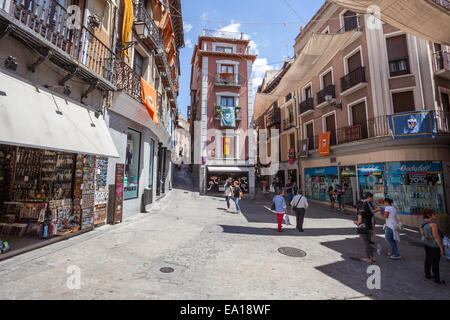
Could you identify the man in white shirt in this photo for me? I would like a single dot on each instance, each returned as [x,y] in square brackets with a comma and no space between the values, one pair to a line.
[299,205]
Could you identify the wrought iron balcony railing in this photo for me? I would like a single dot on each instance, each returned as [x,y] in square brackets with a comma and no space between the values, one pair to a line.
[353,78]
[376,127]
[288,123]
[442,60]
[129,81]
[399,67]
[48,22]
[146,27]
[327,91]
[273,118]
[306,105]
[228,79]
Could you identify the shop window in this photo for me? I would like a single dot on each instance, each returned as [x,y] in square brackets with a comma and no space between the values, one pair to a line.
[152,162]
[131,180]
[318,181]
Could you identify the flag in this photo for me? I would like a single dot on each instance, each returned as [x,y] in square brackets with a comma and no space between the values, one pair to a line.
[324,144]
[227,147]
[228,117]
[128,19]
[414,124]
[148,95]
[304,148]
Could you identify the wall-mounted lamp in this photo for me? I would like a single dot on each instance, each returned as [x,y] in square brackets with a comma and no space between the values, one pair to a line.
[329,98]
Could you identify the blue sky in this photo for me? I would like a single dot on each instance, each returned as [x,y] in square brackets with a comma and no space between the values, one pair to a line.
[271,25]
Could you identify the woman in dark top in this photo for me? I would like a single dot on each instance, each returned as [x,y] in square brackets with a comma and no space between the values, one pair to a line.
[236,194]
[365,226]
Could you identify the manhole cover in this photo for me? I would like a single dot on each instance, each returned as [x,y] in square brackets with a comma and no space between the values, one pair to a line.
[167,270]
[292,252]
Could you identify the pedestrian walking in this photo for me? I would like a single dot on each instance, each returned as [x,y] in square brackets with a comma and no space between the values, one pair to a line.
[279,207]
[299,205]
[237,195]
[290,190]
[332,197]
[432,242]
[275,185]
[391,228]
[264,186]
[340,197]
[365,226]
[228,192]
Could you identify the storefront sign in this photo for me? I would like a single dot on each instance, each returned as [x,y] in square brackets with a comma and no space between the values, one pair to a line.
[327,171]
[415,167]
[118,199]
[365,169]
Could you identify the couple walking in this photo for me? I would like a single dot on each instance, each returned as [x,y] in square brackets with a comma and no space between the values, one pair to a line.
[233,191]
[299,204]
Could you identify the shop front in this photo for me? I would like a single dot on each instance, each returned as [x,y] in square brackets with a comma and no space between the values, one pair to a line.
[347,179]
[217,177]
[318,180]
[412,185]
[53,164]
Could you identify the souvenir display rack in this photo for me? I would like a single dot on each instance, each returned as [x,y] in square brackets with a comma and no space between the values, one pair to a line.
[101,191]
[88,192]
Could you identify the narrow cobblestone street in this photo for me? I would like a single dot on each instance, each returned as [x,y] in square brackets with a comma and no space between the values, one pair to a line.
[216,254]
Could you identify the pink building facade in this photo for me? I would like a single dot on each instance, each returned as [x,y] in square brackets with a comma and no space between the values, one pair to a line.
[221,79]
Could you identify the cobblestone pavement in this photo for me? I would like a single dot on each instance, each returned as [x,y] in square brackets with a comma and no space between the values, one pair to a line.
[216,254]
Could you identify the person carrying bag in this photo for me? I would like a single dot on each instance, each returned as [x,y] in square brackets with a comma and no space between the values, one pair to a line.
[299,205]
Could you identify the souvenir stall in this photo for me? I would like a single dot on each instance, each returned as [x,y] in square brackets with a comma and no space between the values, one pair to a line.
[45,193]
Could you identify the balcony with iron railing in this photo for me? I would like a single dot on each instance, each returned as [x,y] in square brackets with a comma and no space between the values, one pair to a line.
[228,79]
[129,81]
[306,105]
[354,78]
[273,118]
[288,123]
[443,3]
[224,34]
[327,91]
[376,128]
[146,27]
[44,25]
[443,64]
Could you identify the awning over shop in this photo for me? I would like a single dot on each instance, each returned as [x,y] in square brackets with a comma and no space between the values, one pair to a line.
[315,55]
[228,169]
[32,116]
[422,18]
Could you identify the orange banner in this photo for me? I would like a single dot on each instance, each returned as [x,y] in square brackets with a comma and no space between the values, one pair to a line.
[324,144]
[148,94]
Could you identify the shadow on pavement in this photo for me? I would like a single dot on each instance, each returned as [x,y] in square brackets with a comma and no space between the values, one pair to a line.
[400,279]
[291,231]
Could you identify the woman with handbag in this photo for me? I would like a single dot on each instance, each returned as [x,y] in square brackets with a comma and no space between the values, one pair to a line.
[391,228]
[228,192]
[432,242]
[364,223]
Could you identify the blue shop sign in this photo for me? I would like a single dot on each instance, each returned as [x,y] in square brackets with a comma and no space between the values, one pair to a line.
[365,169]
[327,171]
[414,167]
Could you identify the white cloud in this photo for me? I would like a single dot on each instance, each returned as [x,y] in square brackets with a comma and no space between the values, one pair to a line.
[188,43]
[187,27]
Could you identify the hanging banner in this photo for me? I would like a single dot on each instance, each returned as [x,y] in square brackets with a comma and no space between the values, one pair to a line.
[324,144]
[414,124]
[291,155]
[148,95]
[227,147]
[304,148]
[128,19]
[228,118]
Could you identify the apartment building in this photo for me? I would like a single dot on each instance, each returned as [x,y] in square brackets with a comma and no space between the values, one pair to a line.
[383,71]
[283,116]
[148,55]
[221,111]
